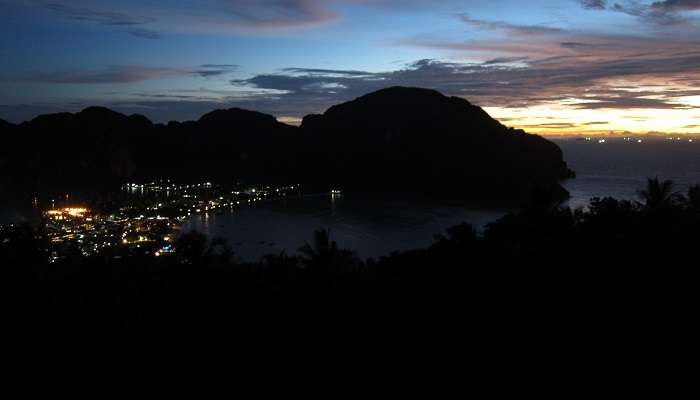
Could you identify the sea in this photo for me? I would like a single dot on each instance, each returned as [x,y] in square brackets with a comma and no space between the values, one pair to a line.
[375,226]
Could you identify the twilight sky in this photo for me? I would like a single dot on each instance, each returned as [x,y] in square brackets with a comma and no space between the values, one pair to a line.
[548,66]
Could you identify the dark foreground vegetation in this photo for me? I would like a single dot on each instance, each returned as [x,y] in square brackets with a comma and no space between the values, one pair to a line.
[545,303]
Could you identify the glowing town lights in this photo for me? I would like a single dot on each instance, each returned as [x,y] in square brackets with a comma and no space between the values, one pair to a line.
[150,226]
[73,212]
[76,211]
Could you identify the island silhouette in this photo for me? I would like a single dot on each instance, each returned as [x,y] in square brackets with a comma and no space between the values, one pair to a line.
[395,140]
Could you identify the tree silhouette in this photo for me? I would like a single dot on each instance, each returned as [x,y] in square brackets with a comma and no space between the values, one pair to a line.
[460,235]
[693,199]
[220,251]
[191,247]
[324,255]
[658,194]
[280,267]
[322,249]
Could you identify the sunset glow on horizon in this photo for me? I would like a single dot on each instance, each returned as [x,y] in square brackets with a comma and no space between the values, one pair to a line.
[560,120]
[552,67]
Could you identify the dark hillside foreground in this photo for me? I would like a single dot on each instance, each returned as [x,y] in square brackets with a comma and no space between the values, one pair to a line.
[546,303]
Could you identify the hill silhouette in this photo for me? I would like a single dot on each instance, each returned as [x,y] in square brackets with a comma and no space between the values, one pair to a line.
[410,139]
[397,139]
[5,125]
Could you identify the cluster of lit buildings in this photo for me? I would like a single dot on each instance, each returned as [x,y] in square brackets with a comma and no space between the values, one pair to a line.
[79,231]
[147,219]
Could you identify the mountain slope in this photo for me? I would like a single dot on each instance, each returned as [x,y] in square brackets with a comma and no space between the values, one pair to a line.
[97,149]
[410,139]
[397,140]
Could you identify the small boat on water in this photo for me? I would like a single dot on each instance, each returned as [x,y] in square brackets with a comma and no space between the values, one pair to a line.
[336,192]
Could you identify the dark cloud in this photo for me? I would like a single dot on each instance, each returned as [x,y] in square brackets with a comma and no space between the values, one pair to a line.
[506,60]
[125,74]
[596,77]
[144,33]
[552,125]
[114,74]
[512,28]
[626,102]
[576,45]
[280,13]
[222,66]
[594,4]
[212,70]
[293,13]
[676,5]
[109,18]
[294,92]
[325,72]
[207,14]
[561,60]
[545,65]
[665,12]
[240,15]
[203,15]
[100,17]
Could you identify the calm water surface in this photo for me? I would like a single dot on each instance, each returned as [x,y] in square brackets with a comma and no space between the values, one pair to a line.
[376,226]
[619,168]
[372,226]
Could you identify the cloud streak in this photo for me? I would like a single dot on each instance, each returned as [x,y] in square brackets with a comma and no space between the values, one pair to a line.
[529,30]
[676,5]
[107,18]
[596,85]
[664,12]
[594,4]
[121,74]
[203,15]
[150,20]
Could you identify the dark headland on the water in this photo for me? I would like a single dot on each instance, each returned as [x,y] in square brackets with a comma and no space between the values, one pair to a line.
[398,140]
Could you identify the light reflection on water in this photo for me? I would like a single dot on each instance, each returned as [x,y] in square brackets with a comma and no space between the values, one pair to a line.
[372,226]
